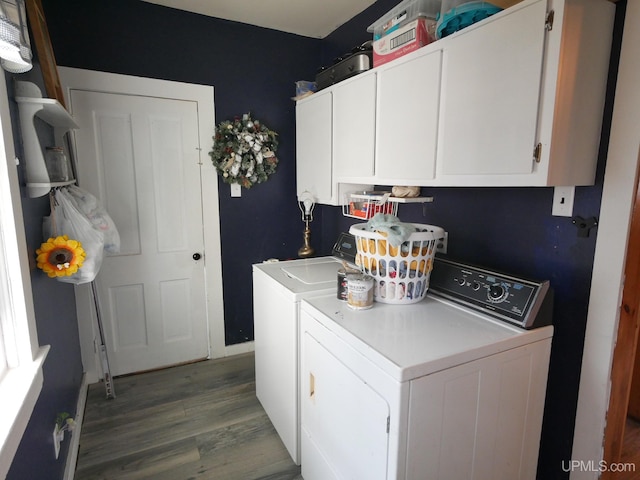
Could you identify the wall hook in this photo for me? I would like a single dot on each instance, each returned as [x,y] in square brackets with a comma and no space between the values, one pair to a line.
[584,225]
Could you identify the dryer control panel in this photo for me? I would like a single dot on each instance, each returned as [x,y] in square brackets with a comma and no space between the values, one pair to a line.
[522,302]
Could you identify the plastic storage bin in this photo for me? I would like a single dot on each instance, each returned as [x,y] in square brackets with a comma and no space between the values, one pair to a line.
[405,28]
[401,273]
[404,13]
[458,14]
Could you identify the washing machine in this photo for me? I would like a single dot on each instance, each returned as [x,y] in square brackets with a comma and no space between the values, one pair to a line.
[450,388]
[278,288]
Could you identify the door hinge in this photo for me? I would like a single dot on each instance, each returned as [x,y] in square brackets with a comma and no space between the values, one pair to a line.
[388,423]
[537,153]
[548,23]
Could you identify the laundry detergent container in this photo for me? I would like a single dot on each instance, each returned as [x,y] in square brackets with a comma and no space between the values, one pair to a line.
[401,272]
[458,14]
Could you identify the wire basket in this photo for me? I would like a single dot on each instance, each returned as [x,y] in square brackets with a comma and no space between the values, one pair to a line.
[401,273]
[366,205]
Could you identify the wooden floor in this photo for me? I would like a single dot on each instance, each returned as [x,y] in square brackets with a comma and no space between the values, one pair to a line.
[630,451]
[192,422]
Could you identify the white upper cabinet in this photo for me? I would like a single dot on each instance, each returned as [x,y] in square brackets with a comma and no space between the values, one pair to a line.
[514,100]
[334,137]
[523,96]
[313,147]
[354,114]
[490,95]
[407,120]
[385,123]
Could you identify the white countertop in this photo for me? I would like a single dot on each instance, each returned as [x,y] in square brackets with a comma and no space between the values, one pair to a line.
[409,341]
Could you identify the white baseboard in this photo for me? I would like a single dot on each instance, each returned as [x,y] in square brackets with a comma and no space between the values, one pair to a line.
[74,447]
[238,348]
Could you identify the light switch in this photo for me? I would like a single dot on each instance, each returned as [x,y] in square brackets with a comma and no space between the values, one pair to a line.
[563,201]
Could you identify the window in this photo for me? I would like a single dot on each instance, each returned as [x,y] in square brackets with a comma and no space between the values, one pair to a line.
[5,315]
[21,357]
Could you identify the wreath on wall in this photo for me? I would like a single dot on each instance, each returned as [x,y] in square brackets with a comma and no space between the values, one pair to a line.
[244,151]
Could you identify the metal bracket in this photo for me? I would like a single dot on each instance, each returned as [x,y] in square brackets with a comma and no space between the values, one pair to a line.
[584,225]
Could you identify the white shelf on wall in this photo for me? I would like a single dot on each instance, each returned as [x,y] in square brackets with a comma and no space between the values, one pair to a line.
[32,105]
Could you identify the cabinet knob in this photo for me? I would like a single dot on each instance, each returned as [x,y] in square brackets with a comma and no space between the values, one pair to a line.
[197,256]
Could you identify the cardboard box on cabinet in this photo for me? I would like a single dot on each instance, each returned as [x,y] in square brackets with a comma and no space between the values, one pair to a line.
[403,40]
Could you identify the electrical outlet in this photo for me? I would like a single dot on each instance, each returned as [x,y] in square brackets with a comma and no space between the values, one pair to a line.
[236,191]
[563,201]
[441,246]
[58,437]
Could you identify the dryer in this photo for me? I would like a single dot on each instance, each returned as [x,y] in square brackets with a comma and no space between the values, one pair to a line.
[450,388]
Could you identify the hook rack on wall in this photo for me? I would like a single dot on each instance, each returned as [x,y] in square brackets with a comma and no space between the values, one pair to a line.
[584,225]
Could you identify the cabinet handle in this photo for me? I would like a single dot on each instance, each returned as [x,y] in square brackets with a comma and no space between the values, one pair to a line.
[537,152]
[312,385]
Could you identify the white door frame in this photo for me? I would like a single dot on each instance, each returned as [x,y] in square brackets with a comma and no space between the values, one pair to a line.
[610,254]
[203,95]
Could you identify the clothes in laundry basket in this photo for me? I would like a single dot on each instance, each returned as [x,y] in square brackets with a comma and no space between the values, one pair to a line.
[391,227]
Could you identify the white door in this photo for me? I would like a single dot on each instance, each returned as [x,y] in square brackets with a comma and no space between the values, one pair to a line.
[141,156]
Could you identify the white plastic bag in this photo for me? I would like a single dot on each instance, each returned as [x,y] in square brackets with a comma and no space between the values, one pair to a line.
[97,214]
[67,219]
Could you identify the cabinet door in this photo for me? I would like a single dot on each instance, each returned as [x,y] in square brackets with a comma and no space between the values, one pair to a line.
[354,120]
[490,94]
[407,120]
[344,421]
[313,147]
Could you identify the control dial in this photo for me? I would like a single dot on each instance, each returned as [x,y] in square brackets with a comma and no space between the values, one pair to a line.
[497,293]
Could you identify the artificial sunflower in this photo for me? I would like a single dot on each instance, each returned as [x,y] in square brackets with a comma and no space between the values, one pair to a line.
[59,256]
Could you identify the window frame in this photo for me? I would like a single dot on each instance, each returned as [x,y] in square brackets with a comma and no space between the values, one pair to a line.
[21,381]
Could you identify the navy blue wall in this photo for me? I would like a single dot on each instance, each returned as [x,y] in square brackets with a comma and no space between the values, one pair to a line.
[254,69]
[56,321]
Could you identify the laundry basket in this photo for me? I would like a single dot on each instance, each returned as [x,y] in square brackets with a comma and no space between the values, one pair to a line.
[401,273]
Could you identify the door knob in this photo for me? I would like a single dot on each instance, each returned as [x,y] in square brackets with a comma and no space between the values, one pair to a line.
[197,256]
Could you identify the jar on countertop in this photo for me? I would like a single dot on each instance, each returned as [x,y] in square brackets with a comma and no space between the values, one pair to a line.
[360,291]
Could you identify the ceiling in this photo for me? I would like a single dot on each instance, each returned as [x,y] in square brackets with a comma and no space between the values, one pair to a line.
[310,18]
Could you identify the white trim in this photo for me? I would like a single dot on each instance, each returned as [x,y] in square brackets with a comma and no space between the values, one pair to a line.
[19,391]
[74,447]
[22,382]
[238,349]
[74,78]
[610,254]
